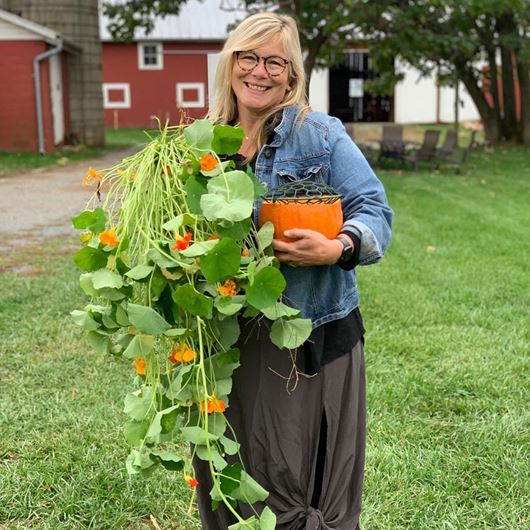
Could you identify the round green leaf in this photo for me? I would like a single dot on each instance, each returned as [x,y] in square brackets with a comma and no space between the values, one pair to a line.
[93,220]
[227,139]
[135,431]
[90,259]
[105,278]
[139,346]
[83,319]
[146,320]
[290,333]
[238,230]
[267,286]
[222,261]
[199,134]
[230,197]
[267,520]
[265,236]
[279,310]
[139,272]
[195,188]
[192,301]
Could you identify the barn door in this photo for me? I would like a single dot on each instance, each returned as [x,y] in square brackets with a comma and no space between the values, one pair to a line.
[348,98]
[56,92]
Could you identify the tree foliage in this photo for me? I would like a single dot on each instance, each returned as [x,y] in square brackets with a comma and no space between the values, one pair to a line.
[128,16]
[483,43]
[325,27]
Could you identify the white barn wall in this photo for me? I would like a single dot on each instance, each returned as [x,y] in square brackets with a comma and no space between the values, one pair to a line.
[468,110]
[319,90]
[415,100]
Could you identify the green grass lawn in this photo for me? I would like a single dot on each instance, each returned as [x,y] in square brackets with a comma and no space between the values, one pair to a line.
[447,355]
[114,139]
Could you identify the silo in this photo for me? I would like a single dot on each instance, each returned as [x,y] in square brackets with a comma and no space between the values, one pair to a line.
[77,21]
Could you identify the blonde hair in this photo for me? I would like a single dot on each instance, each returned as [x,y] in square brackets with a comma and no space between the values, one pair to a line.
[252,33]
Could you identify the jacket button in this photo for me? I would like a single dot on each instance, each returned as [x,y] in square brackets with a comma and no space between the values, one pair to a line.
[268,152]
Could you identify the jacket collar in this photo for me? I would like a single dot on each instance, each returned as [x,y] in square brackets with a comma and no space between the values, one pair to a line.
[283,129]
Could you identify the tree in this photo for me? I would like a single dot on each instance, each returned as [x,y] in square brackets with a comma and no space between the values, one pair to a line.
[463,39]
[125,17]
[325,27]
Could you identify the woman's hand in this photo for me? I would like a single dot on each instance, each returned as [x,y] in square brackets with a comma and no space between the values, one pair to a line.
[307,249]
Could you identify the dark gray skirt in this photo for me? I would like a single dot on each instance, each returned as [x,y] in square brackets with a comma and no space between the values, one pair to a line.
[305,445]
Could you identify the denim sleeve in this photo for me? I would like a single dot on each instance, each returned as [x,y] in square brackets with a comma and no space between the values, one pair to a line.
[365,207]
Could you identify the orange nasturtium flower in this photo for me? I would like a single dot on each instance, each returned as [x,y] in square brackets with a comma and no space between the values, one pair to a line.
[109,237]
[139,365]
[227,288]
[207,162]
[212,405]
[182,242]
[245,252]
[192,481]
[182,353]
[92,174]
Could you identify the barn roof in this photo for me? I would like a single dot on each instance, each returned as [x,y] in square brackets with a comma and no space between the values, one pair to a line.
[47,34]
[205,20]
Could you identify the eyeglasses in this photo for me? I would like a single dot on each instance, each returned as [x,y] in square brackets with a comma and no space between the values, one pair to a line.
[274,65]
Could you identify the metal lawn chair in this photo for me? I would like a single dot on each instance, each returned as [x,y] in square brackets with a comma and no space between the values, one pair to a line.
[392,144]
[427,150]
[449,152]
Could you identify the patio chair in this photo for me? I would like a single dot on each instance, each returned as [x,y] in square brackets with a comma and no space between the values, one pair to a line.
[391,143]
[450,144]
[427,150]
[450,154]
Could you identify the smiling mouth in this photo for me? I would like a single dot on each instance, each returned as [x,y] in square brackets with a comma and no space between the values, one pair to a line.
[257,87]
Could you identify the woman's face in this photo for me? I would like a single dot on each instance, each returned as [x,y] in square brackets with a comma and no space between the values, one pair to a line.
[257,90]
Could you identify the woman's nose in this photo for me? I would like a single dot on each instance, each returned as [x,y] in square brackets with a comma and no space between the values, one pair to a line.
[260,69]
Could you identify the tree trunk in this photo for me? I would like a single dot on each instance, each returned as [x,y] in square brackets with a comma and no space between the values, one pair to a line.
[524,84]
[506,28]
[494,81]
[487,113]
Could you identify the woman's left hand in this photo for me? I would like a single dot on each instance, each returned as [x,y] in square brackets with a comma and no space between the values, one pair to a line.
[307,249]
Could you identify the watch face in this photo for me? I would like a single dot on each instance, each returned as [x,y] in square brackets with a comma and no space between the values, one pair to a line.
[347,250]
[346,253]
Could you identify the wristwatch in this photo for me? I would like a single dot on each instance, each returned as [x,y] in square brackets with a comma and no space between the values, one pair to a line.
[347,251]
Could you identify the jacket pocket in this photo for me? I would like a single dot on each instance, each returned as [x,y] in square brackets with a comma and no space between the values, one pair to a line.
[313,173]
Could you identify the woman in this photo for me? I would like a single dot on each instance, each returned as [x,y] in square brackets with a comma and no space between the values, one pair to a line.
[305,445]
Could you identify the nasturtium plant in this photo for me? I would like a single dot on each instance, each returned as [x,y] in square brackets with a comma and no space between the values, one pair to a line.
[171,261]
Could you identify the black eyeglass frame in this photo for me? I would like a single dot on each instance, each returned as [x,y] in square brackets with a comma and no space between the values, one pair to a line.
[265,59]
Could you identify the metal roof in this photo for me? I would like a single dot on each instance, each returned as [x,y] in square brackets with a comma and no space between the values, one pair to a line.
[204,20]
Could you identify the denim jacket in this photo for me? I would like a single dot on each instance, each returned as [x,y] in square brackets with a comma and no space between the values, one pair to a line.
[318,148]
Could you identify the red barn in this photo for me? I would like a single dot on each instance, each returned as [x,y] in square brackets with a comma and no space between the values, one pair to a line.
[167,72]
[34,114]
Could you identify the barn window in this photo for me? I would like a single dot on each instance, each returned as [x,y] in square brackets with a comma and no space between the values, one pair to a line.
[190,95]
[150,56]
[116,96]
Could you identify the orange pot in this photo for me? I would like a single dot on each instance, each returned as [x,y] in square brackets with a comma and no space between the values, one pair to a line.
[302,212]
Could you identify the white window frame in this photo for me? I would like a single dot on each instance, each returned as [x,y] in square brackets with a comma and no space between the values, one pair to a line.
[196,104]
[125,103]
[159,56]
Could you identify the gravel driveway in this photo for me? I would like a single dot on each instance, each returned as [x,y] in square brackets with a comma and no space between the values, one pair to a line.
[42,202]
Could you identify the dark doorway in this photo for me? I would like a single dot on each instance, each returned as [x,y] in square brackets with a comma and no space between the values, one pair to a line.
[348,99]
